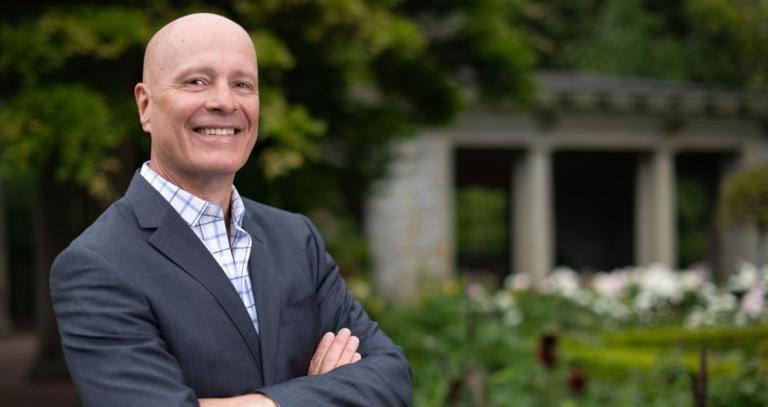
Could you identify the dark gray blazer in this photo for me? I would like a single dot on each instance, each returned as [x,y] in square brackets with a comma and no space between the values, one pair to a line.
[148,318]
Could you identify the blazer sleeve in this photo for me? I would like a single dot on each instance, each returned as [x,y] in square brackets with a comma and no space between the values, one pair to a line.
[115,354]
[381,378]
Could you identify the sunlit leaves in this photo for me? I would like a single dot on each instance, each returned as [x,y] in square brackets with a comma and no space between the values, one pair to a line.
[69,125]
[26,53]
[101,32]
[272,52]
[502,55]
[344,77]
[292,132]
[34,48]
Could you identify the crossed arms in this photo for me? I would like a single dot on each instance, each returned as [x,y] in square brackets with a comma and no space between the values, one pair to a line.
[334,350]
[125,348]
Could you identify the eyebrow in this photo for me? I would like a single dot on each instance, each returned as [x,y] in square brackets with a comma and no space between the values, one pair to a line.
[210,72]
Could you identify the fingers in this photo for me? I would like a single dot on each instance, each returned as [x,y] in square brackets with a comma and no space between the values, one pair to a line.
[322,349]
[333,355]
[349,351]
[334,351]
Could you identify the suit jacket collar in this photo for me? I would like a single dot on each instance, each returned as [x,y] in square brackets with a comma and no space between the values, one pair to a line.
[174,238]
[148,205]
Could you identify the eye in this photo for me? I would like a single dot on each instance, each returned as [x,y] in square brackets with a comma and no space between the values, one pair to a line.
[195,82]
[243,85]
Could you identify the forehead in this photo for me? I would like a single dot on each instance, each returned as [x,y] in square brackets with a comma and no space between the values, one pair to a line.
[204,46]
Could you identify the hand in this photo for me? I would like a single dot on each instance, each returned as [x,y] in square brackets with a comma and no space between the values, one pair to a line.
[334,351]
[247,400]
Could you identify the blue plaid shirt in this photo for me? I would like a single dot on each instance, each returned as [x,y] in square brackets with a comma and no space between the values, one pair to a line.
[207,221]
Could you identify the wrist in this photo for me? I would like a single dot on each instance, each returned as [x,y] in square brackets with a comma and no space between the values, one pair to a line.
[261,400]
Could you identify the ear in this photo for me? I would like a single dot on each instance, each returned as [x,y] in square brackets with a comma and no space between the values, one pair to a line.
[141,93]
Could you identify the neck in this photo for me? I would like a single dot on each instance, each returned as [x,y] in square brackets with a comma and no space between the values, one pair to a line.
[212,188]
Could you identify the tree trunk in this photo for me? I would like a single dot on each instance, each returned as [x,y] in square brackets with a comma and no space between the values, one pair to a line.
[62,211]
[53,215]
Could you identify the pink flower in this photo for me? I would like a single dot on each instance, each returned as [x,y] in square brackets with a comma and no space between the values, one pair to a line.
[753,303]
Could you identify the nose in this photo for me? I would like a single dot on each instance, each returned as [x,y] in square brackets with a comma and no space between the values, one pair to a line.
[221,99]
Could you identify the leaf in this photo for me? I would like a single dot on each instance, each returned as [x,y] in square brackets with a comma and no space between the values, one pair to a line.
[69,124]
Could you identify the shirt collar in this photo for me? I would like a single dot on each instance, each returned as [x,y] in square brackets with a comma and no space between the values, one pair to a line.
[190,207]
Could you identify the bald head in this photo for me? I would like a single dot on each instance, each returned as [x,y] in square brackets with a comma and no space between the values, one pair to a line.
[189,34]
[199,101]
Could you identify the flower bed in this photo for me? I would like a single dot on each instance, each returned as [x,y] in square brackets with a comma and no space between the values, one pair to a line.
[628,337]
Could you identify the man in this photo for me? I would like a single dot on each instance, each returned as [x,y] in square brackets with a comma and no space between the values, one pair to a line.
[183,292]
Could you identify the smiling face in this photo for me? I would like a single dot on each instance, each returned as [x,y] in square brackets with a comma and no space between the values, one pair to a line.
[199,99]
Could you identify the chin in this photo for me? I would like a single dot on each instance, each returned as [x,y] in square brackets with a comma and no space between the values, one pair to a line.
[222,168]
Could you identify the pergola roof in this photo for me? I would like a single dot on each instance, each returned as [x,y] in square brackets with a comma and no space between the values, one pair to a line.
[589,91]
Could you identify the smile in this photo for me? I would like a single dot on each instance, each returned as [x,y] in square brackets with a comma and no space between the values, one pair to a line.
[210,131]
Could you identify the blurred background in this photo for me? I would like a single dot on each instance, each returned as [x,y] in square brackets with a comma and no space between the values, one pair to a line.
[546,203]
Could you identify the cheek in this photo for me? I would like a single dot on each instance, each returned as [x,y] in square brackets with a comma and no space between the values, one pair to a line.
[176,111]
[251,109]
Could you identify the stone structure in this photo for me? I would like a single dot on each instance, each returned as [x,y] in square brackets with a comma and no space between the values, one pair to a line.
[410,214]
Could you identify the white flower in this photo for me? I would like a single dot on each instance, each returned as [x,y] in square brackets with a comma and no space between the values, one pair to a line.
[722,302]
[691,280]
[657,283]
[753,304]
[480,297]
[565,282]
[611,285]
[699,317]
[504,300]
[584,298]
[519,282]
[512,317]
[476,291]
[745,278]
[644,301]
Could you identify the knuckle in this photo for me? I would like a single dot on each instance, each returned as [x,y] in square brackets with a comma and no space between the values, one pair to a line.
[330,358]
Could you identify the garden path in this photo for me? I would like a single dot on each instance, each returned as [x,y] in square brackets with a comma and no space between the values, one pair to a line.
[17,353]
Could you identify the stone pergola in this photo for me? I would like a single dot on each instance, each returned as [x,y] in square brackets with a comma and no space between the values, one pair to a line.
[409,219]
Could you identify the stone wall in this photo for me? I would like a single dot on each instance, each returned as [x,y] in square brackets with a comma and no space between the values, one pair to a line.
[409,217]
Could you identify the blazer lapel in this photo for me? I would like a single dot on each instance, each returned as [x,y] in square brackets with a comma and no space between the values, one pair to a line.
[266,293]
[174,238]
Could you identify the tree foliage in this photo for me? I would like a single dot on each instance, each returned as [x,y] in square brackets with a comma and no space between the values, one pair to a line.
[708,41]
[744,199]
[49,116]
[34,130]
[339,79]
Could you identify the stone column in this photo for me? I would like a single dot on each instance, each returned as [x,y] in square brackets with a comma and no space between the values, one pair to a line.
[655,211]
[664,219]
[5,297]
[409,218]
[644,212]
[533,213]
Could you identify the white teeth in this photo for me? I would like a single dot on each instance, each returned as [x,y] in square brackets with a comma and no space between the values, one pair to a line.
[218,132]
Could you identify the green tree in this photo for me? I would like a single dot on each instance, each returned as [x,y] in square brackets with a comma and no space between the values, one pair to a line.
[709,41]
[339,80]
[744,201]
[63,124]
